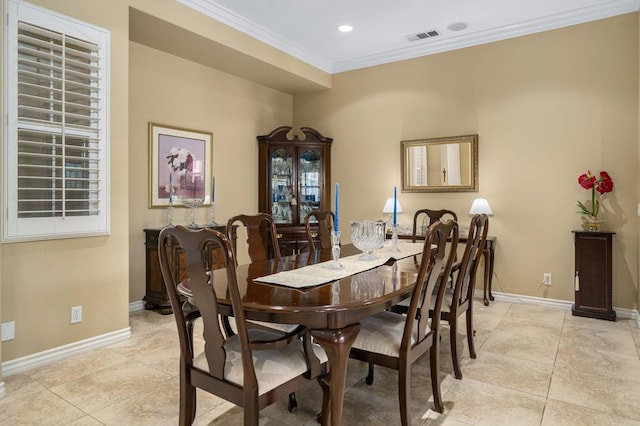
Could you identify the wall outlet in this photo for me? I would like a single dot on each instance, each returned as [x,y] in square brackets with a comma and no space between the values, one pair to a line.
[8,330]
[76,314]
[546,278]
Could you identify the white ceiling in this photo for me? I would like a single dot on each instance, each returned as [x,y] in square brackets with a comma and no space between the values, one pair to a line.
[307,29]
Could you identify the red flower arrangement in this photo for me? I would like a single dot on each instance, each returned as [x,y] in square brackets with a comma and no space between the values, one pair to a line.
[603,184]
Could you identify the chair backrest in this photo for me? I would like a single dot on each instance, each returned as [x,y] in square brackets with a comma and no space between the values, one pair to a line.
[437,258]
[420,217]
[476,239]
[262,237]
[194,244]
[324,220]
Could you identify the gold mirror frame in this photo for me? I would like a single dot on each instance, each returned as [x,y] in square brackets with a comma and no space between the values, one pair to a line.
[428,164]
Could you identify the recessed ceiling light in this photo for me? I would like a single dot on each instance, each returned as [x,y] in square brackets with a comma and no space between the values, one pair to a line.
[458,26]
[345,28]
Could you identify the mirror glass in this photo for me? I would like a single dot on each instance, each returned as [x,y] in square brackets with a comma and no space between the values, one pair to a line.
[447,164]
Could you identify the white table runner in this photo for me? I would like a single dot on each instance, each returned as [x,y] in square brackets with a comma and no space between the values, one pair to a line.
[314,275]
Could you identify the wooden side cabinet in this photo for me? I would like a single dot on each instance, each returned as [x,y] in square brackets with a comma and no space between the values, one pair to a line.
[156,297]
[593,275]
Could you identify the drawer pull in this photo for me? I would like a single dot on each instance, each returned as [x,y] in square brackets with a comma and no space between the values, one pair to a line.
[576,282]
[314,234]
[278,236]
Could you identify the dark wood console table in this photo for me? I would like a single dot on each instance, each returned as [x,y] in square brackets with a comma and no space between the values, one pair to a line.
[593,275]
[489,255]
[156,297]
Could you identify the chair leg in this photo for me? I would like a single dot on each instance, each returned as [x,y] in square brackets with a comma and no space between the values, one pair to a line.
[187,401]
[453,337]
[404,383]
[369,379]
[434,359]
[292,405]
[323,416]
[470,334]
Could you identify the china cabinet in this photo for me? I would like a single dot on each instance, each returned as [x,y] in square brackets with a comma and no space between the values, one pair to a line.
[593,275]
[294,179]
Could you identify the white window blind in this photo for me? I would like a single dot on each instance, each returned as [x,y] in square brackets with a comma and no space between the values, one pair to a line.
[56,157]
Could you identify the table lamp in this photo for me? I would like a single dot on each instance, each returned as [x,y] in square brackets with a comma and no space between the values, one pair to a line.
[388,208]
[480,205]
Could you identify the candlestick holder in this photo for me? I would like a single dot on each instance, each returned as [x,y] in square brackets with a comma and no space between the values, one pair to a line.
[394,239]
[170,215]
[212,216]
[335,252]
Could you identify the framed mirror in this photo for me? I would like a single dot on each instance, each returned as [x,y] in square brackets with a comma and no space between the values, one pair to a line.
[447,164]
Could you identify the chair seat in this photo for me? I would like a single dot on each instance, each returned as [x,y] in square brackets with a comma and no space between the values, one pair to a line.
[382,333]
[273,366]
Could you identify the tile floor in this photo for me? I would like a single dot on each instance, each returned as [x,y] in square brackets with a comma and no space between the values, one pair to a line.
[536,365]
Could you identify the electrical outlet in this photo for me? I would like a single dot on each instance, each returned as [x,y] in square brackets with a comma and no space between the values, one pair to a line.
[546,278]
[76,314]
[8,330]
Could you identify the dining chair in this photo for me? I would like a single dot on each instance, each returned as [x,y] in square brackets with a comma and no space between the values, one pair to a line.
[252,368]
[262,237]
[324,220]
[459,299]
[262,243]
[421,216]
[396,340]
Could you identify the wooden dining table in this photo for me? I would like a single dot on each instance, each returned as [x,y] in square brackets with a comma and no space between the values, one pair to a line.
[331,311]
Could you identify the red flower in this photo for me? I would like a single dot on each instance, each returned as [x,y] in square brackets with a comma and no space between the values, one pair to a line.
[603,184]
[587,180]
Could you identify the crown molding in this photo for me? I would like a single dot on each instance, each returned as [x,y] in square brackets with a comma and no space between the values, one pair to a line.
[427,47]
[246,26]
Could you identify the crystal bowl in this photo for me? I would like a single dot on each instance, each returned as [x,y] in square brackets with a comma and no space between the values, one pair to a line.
[367,236]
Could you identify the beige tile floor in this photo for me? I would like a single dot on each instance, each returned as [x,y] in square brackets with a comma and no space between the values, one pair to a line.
[535,366]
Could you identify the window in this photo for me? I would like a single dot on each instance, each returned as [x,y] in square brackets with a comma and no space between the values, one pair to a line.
[56,132]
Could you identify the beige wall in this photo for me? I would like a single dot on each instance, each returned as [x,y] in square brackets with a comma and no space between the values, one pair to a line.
[41,281]
[170,90]
[547,107]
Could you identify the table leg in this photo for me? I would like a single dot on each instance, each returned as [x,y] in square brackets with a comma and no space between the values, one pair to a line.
[492,256]
[487,278]
[337,344]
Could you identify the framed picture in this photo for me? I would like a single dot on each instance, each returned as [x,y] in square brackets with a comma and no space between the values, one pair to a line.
[180,165]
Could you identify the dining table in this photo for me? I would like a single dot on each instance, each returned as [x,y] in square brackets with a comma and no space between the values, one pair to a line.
[331,310]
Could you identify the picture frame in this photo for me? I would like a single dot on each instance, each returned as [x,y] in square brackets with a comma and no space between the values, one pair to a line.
[181,158]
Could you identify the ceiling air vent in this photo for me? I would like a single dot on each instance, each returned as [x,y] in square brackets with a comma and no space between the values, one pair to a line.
[422,35]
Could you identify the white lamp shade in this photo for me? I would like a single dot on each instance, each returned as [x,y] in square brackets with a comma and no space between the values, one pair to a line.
[480,206]
[388,206]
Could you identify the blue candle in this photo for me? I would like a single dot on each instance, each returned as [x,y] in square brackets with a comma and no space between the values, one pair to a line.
[170,188]
[395,204]
[213,189]
[335,222]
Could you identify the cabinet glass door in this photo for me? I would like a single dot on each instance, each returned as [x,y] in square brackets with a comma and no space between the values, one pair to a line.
[282,185]
[309,182]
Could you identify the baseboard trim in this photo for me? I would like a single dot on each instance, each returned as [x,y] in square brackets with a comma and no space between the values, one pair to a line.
[29,362]
[136,306]
[534,300]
